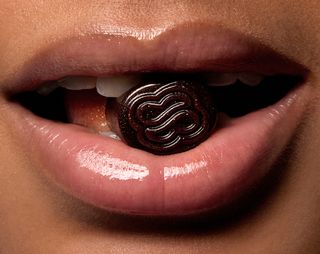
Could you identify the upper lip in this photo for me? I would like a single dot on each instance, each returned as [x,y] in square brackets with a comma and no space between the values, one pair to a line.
[187,48]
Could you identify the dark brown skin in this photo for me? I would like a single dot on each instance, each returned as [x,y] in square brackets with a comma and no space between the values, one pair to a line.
[37,217]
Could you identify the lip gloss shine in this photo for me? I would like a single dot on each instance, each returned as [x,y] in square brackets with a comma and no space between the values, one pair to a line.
[111,175]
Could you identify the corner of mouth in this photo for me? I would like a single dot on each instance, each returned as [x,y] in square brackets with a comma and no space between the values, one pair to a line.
[167,185]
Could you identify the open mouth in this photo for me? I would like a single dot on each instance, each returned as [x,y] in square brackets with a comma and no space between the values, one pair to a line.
[68,100]
[91,102]
[242,99]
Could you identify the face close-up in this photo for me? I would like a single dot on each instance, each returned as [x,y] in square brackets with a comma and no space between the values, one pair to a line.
[159,127]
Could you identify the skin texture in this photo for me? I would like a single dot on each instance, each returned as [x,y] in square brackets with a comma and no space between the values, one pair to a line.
[37,217]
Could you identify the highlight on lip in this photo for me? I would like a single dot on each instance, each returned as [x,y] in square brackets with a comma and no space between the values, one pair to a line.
[113,168]
[107,173]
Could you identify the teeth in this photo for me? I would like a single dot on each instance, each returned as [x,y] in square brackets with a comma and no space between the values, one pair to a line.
[78,83]
[226,79]
[47,88]
[116,86]
[222,79]
[110,134]
[250,79]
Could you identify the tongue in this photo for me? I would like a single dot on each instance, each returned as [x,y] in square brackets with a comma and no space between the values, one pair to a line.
[87,108]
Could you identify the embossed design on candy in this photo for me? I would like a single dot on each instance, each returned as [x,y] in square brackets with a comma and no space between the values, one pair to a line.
[166,118]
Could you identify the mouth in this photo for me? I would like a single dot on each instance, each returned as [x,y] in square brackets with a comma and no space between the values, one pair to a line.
[66,102]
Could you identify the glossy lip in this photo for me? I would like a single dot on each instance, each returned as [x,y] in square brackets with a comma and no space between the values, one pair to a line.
[188,47]
[113,176]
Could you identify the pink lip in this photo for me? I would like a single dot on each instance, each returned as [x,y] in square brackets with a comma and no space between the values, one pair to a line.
[113,176]
[189,47]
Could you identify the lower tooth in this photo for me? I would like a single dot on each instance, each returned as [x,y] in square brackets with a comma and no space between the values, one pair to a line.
[110,134]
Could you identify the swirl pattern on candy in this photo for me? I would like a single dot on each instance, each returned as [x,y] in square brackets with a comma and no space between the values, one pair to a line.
[166,118]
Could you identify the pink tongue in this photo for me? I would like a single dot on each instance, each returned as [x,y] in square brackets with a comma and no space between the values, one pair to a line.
[87,108]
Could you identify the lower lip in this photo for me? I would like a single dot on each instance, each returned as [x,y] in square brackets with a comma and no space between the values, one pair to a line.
[110,175]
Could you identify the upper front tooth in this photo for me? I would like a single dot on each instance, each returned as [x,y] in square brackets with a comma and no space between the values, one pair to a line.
[225,79]
[78,83]
[117,85]
[250,79]
[222,79]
